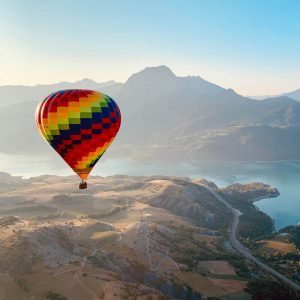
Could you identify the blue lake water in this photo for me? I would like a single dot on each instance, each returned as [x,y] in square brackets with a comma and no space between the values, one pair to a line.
[284,175]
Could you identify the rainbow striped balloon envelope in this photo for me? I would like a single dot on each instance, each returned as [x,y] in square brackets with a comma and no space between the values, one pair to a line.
[80,125]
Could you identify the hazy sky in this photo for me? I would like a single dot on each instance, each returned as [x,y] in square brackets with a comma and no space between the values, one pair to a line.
[251,46]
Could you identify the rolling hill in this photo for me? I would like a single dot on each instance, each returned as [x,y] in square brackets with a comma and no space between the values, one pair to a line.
[126,237]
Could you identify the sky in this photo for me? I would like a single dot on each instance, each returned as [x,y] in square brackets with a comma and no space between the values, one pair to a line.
[251,46]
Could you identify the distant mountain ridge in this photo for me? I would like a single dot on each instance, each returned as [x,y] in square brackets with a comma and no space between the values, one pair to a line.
[11,94]
[293,95]
[163,77]
[166,117]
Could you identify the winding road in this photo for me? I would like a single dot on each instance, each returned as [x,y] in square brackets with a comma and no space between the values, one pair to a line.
[236,244]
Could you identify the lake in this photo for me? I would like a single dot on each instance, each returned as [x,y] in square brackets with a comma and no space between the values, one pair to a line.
[284,175]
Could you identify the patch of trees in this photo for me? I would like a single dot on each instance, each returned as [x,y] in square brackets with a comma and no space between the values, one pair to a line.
[55,296]
[255,224]
[240,266]
[237,202]
[271,290]
[295,231]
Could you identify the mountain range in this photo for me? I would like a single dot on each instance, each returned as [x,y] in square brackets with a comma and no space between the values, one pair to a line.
[294,95]
[169,118]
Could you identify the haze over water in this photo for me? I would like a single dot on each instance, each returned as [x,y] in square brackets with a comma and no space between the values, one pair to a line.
[284,175]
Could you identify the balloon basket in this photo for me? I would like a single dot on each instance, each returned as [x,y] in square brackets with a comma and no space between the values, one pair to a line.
[82,185]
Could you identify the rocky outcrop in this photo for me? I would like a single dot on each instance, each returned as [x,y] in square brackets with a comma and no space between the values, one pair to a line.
[251,192]
[192,201]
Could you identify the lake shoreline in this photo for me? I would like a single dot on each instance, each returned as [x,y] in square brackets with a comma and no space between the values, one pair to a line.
[283,174]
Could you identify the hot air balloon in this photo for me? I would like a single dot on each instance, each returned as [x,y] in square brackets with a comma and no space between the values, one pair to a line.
[80,125]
